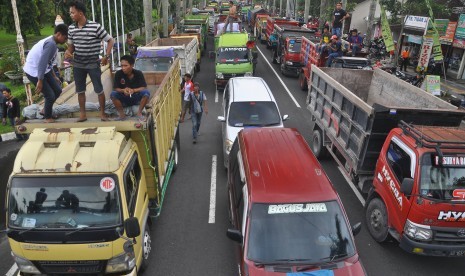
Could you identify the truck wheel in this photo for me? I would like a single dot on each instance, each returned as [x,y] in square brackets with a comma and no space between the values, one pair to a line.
[317,144]
[303,82]
[376,220]
[146,247]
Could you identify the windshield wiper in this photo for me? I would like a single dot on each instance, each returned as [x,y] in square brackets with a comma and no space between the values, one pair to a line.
[29,229]
[331,258]
[282,262]
[79,229]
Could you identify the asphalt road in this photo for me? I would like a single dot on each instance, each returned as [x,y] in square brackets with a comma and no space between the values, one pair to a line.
[187,240]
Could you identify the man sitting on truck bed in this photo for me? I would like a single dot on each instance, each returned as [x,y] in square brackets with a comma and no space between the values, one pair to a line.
[130,88]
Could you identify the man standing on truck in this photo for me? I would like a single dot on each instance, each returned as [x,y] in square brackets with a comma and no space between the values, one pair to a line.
[84,38]
[231,17]
[130,89]
[334,50]
[39,68]
[339,15]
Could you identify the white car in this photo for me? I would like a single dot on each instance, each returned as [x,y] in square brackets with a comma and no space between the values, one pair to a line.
[247,102]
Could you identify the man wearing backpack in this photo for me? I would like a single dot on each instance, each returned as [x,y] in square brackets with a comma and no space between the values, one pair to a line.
[198,106]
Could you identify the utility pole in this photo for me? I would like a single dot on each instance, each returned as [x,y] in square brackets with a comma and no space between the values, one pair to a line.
[165,6]
[371,19]
[274,7]
[190,6]
[306,10]
[344,6]
[20,41]
[178,13]
[148,20]
[280,8]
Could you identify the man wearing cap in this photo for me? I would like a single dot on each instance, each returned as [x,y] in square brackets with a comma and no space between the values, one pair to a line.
[197,107]
[334,50]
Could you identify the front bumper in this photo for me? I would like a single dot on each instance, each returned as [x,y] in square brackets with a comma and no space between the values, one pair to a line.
[430,249]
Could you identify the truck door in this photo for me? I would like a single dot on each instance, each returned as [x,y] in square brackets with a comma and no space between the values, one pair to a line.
[400,163]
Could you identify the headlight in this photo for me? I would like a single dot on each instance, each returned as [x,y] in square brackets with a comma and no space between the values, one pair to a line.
[24,265]
[418,231]
[123,262]
[248,74]
[229,144]
[219,76]
[288,62]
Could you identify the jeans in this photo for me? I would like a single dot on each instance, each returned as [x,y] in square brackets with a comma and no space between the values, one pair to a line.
[134,99]
[196,118]
[337,31]
[51,90]
[321,48]
[229,22]
[80,75]
[331,57]
[355,49]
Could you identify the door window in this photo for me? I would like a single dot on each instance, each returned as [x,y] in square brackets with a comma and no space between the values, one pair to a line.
[399,161]
[132,177]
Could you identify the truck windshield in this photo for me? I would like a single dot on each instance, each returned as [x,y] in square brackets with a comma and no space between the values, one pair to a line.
[153,64]
[294,47]
[64,202]
[307,232]
[444,181]
[233,55]
[243,114]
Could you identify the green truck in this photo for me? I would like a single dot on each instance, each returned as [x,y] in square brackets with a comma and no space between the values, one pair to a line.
[234,57]
[197,21]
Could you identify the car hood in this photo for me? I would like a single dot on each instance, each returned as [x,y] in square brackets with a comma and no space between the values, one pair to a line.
[231,132]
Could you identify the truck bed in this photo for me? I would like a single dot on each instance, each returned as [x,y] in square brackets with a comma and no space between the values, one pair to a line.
[356,109]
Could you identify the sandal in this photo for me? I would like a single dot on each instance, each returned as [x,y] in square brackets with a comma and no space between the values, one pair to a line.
[142,118]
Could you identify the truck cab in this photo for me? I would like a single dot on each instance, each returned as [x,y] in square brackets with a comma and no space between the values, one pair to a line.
[149,60]
[418,193]
[234,57]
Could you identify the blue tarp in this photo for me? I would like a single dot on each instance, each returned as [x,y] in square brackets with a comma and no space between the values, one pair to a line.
[322,272]
[146,53]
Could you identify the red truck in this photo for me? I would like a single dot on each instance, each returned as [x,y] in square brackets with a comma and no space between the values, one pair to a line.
[413,173]
[271,38]
[288,47]
[308,57]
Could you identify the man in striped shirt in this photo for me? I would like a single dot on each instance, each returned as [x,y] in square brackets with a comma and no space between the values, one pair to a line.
[84,40]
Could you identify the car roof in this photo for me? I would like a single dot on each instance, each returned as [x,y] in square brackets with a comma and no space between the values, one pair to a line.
[249,89]
[281,168]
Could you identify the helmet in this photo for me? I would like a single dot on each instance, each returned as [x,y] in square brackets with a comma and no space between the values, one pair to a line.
[334,37]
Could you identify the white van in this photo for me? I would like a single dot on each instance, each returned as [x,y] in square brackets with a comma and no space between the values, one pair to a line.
[247,102]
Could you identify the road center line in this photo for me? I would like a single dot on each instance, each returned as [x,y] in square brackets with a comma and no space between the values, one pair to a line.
[12,270]
[279,78]
[211,213]
[354,188]
[216,95]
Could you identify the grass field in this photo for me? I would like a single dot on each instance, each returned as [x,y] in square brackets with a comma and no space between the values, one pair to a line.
[9,40]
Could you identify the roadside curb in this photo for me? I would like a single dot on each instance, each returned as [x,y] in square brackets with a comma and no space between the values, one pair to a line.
[8,136]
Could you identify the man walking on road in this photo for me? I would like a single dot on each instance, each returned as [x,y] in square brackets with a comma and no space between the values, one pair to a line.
[84,40]
[186,95]
[339,15]
[198,106]
[39,68]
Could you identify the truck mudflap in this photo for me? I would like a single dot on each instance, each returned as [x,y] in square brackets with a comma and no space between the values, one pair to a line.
[431,249]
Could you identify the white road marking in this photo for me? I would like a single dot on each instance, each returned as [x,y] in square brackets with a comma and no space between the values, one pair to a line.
[352,185]
[279,78]
[216,95]
[12,270]
[211,213]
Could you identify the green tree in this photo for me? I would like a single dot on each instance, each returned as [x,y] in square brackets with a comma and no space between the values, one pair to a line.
[28,14]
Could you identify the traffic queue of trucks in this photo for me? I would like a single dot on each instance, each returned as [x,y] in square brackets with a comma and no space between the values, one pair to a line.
[83,196]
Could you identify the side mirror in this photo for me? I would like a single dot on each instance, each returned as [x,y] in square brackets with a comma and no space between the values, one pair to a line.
[221,119]
[132,228]
[407,186]
[356,228]
[254,55]
[285,117]
[234,235]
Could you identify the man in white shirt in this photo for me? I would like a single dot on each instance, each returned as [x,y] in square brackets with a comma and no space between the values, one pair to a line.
[186,92]
[39,68]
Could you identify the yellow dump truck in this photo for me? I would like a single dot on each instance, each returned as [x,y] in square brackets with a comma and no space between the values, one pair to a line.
[82,196]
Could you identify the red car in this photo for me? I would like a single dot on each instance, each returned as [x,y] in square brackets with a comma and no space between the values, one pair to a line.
[286,214]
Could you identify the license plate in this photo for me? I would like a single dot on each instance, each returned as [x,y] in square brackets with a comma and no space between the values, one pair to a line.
[457,253]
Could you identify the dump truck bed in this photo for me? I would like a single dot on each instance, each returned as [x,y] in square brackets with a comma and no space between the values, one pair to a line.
[356,109]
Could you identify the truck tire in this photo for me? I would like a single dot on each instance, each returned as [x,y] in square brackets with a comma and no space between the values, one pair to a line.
[317,144]
[303,82]
[146,247]
[376,220]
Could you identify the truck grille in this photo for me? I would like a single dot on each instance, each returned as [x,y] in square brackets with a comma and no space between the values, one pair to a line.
[447,236]
[71,267]
[228,76]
